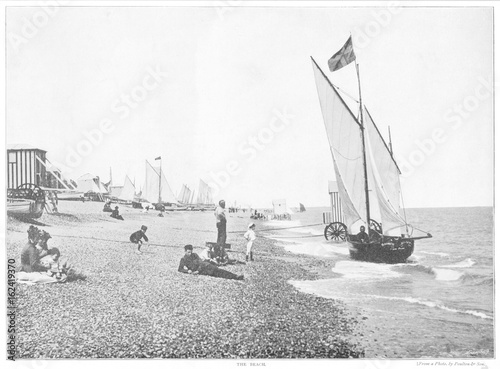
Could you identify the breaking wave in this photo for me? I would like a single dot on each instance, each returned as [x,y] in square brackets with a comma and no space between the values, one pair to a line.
[466,263]
[432,304]
[439,273]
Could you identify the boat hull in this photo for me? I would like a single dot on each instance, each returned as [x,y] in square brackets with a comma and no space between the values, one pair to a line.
[388,251]
[24,208]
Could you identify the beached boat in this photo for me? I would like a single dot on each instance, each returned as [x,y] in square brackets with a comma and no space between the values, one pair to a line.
[367,177]
[26,201]
[69,195]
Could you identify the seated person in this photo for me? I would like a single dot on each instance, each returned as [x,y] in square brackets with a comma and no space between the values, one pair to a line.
[208,255]
[362,236]
[32,252]
[56,268]
[107,207]
[192,264]
[116,214]
[220,254]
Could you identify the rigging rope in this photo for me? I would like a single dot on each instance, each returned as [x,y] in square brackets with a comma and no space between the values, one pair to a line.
[345,93]
[344,156]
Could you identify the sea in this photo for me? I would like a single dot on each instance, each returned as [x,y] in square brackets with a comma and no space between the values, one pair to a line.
[439,304]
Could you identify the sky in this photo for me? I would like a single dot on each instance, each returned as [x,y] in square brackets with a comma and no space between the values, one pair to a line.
[227,95]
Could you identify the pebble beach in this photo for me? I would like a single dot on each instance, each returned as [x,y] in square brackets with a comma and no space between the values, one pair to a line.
[124,305]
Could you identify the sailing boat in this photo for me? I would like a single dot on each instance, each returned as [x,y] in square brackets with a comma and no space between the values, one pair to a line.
[125,193]
[157,191]
[185,195]
[367,176]
[302,208]
[205,199]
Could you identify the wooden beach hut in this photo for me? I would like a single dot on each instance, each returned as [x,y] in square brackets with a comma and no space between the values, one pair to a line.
[25,164]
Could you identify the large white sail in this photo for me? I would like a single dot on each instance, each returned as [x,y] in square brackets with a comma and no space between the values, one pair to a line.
[152,186]
[187,197]
[114,191]
[386,174]
[344,134]
[205,194]
[185,194]
[182,193]
[128,190]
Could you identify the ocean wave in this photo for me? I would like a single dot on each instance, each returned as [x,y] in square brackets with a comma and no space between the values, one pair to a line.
[443,254]
[438,273]
[478,280]
[433,304]
[466,263]
[317,249]
[358,270]
[447,274]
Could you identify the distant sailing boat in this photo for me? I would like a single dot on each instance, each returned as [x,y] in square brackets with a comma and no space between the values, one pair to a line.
[205,198]
[302,208]
[366,173]
[156,189]
[185,195]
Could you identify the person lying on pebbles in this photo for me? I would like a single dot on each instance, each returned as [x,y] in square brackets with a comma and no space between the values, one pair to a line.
[192,264]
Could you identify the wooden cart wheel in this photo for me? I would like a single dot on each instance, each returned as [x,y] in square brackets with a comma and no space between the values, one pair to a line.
[32,191]
[375,226]
[375,233]
[336,231]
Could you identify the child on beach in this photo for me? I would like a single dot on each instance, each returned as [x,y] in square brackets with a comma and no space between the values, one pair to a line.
[137,237]
[56,269]
[208,255]
[250,237]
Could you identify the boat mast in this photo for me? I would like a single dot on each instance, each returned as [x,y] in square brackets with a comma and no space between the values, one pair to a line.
[159,182]
[364,152]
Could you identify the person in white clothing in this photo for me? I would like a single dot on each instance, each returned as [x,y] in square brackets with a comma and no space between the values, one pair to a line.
[250,237]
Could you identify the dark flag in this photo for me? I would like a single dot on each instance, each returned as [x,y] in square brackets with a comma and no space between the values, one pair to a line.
[158,158]
[342,57]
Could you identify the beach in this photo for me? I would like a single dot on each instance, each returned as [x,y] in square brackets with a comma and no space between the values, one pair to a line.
[126,305]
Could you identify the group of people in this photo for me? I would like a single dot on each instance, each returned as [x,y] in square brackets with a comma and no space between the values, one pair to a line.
[114,213]
[221,222]
[39,263]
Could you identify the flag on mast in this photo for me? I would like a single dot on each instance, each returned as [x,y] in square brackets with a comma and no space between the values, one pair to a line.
[342,57]
[158,158]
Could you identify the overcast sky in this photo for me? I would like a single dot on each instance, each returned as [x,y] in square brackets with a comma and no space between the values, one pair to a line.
[228,95]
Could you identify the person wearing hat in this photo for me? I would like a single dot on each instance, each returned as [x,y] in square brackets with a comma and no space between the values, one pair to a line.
[116,214]
[137,237]
[220,221]
[250,237]
[192,264]
[33,251]
[107,206]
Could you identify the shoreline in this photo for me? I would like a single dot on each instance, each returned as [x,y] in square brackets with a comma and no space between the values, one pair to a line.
[133,305]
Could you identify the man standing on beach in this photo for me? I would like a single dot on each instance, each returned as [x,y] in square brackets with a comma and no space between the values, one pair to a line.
[220,219]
